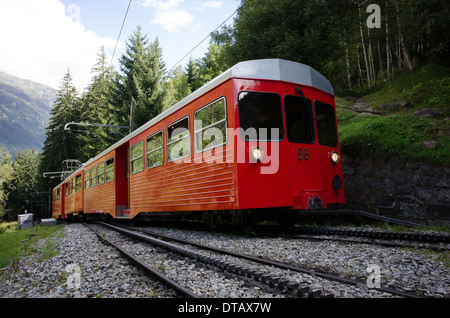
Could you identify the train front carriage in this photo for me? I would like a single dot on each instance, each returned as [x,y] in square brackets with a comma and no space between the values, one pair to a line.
[287,120]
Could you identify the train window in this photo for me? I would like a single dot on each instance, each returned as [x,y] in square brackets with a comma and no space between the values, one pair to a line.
[137,157]
[210,126]
[299,123]
[101,173]
[155,150]
[260,116]
[178,140]
[73,186]
[93,177]
[110,170]
[87,179]
[326,124]
[78,183]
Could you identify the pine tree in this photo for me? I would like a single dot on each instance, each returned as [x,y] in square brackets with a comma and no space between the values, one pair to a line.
[24,180]
[142,68]
[60,144]
[193,74]
[176,87]
[95,109]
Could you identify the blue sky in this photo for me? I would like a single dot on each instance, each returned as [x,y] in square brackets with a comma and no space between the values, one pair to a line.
[41,39]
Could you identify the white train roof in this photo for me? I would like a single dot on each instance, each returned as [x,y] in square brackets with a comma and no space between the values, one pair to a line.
[282,70]
[267,69]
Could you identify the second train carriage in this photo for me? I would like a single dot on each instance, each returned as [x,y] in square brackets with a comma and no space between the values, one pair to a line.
[262,135]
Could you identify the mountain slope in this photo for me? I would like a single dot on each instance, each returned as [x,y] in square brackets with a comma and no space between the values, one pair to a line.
[24,113]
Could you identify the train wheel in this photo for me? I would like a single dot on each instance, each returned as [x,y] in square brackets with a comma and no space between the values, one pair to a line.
[287,220]
[245,222]
[210,219]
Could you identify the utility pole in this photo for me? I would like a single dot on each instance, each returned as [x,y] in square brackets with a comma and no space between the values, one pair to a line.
[133,104]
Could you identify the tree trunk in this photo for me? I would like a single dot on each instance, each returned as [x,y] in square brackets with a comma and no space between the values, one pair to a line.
[402,41]
[364,46]
[381,62]
[371,62]
[359,65]
[388,46]
[347,64]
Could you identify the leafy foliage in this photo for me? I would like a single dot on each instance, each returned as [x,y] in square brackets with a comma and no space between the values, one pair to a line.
[142,68]
[60,144]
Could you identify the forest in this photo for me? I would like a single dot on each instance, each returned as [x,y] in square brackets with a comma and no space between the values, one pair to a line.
[360,46]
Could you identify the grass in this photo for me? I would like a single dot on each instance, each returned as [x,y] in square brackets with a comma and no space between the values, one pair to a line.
[15,243]
[399,134]
[428,86]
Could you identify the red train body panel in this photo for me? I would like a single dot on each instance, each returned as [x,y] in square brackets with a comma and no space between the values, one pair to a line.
[262,135]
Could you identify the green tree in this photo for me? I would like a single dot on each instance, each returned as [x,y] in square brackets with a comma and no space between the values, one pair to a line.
[5,178]
[23,181]
[176,87]
[193,74]
[96,104]
[140,80]
[213,64]
[60,144]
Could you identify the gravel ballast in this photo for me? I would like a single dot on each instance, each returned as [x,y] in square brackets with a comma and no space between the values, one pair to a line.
[85,267]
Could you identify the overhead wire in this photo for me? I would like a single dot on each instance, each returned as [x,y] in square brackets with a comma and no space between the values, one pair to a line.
[206,37]
[120,33]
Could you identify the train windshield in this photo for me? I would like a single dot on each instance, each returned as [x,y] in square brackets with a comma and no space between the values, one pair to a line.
[299,124]
[326,124]
[260,116]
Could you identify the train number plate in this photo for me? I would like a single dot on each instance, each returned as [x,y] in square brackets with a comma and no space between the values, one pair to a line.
[303,153]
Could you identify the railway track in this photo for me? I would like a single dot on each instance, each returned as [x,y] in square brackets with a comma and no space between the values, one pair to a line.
[275,275]
[432,241]
[374,234]
[155,273]
[231,272]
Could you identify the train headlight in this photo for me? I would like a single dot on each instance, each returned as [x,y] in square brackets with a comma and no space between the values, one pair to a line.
[335,157]
[257,154]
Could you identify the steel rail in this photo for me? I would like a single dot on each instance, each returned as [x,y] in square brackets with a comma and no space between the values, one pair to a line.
[285,266]
[284,284]
[381,243]
[166,280]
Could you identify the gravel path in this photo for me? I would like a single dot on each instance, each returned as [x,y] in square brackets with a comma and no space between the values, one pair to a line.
[85,267]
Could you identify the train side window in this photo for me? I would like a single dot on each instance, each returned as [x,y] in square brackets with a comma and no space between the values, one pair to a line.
[93,177]
[155,150]
[299,123]
[110,170]
[210,126]
[137,157]
[87,179]
[178,140]
[326,124]
[101,173]
[73,186]
[260,116]
[78,183]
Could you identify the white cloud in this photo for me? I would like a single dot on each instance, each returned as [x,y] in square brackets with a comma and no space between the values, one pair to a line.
[210,5]
[173,20]
[162,5]
[42,39]
[170,15]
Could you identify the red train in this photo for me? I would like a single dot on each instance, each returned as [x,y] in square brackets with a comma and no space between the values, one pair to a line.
[259,139]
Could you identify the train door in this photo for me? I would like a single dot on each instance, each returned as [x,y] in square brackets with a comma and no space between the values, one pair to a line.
[122,182]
